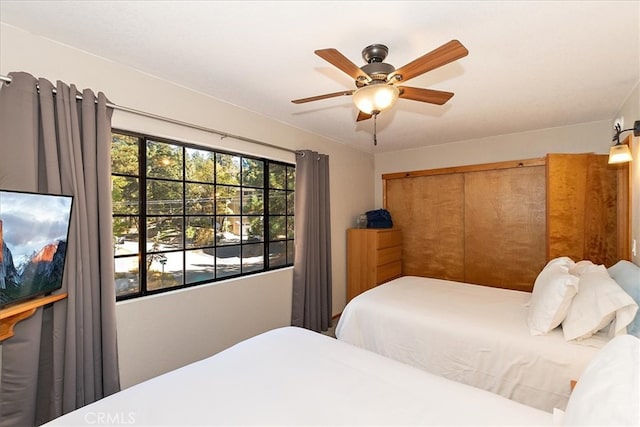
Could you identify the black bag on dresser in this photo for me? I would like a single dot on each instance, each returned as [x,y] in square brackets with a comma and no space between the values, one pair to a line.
[379,218]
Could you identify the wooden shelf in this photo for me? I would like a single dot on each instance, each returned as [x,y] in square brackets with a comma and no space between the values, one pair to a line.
[11,315]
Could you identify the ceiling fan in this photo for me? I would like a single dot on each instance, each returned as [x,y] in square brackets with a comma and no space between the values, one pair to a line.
[377,82]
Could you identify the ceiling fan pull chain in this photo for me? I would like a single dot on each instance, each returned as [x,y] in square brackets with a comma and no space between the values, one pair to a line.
[375,138]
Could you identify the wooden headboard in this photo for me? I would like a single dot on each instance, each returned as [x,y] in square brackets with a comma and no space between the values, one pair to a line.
[497,224]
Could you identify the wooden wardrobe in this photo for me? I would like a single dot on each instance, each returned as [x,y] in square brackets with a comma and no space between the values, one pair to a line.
[497,224]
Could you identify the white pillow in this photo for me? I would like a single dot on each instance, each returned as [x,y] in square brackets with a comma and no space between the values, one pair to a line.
[627,275]
[580,267]
[553,291]
[599,302]
[607,391]
[564,260]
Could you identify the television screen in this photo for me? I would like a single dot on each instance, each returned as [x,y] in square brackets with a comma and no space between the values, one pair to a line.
[34,228]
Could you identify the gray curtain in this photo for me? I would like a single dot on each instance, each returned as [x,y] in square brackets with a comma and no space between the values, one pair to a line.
[65,356]
[311,305]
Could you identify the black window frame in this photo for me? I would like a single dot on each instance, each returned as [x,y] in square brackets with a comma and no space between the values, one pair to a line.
[286,241]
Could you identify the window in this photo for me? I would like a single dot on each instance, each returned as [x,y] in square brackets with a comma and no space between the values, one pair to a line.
[186,215]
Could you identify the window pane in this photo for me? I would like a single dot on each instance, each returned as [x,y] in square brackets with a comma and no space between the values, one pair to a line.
[164,197]
[227,169]
[277,176]
[200,231]
[201,266]
[228,230]
[127,276]
[164,233]
[290,226]
[227,200]
[126,237]
[291,199]
[277,202]
[252,257]
[252,201]
[227,261]
[253,230]
[291,178]
[277,228]
[290,252]
[252,172]
[164,160]
[199,165]
[124,194]
[164,270]
[200,198]
[124,154]
[277,254]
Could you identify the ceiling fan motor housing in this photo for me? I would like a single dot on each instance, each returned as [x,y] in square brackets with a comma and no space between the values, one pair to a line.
[377,71]
[375,53]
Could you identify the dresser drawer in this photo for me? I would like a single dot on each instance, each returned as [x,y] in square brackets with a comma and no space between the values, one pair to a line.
[389,238]
[388,271]
[387,255]
[374,256]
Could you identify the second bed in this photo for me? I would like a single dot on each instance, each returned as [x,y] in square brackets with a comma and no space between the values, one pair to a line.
[472,334]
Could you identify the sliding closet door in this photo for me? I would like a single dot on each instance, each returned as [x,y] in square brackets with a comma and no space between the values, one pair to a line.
[504,228]
[482,224]
[567,182]
[429,210]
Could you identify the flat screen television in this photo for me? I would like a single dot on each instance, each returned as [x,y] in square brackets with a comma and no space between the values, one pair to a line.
[34,228]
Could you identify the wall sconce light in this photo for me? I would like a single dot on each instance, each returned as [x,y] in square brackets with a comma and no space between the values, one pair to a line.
[620,152]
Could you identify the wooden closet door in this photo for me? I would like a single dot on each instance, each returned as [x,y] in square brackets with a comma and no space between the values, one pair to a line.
[429,210]
[504,229]
[567,186]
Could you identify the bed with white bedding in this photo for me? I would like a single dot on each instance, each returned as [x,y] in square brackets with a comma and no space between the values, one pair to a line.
[291,376]
[472,334]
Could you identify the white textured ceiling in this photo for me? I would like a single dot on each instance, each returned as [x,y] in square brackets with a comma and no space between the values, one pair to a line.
[531,65]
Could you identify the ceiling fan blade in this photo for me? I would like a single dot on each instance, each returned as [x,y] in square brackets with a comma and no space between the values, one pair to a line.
[443,55]
[340,61]
[425,95]
[325,96]
[363,116]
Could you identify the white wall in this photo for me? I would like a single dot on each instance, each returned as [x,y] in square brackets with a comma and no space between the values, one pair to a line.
[163,332]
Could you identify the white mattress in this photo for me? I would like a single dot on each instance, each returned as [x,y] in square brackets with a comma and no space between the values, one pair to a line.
[473,334]
[292,376]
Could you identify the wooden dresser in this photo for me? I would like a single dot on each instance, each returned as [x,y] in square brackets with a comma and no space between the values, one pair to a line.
[374,256]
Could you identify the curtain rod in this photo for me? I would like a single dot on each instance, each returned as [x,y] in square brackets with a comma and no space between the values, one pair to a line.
[223,135]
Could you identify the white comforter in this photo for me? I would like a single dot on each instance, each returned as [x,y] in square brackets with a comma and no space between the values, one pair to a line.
[292,376]
[473,334]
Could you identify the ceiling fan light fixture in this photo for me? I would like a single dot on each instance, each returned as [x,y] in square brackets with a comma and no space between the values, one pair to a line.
[376,97]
